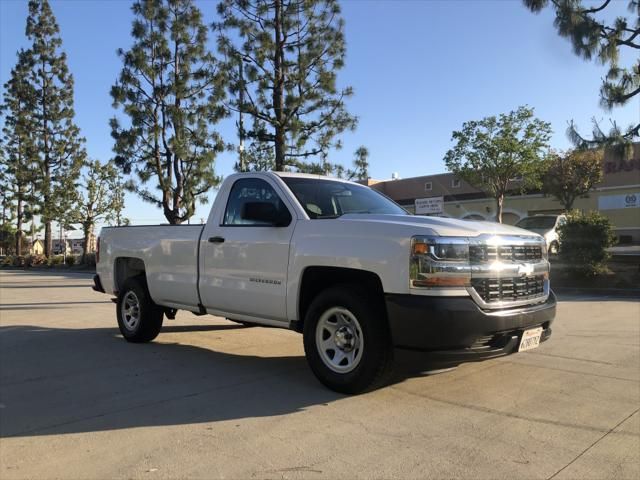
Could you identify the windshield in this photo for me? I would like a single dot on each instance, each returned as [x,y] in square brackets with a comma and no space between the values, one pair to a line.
[331,199]
[541,223]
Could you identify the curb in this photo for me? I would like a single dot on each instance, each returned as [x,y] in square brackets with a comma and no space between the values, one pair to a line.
[604,292]
[48,270]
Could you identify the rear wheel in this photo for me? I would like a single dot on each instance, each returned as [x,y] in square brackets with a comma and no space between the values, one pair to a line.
[347,341]
[139,319]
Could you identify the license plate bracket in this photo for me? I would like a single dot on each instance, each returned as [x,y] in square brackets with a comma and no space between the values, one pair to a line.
[530,339]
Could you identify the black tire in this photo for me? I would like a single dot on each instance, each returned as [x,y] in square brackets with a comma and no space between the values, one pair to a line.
[376,361]
[149,315]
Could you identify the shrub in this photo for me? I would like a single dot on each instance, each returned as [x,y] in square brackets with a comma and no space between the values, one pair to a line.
[56,260]
[19,261]
[584,240]
[8,260]
[71,260]
[37,260]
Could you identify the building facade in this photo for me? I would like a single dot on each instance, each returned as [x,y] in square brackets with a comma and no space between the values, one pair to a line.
[73,246]
[617,196]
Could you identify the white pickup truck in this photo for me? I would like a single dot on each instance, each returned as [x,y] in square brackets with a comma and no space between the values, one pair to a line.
[352,271]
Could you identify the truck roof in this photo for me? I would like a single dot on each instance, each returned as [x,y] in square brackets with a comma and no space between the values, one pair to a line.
[310,175]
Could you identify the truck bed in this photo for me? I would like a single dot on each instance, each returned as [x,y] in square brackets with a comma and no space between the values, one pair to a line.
[172,274]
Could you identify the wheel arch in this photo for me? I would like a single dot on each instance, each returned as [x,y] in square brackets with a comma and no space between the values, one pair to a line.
[315,279]
[126,268]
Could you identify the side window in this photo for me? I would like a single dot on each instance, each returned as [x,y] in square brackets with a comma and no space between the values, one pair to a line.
[246,193]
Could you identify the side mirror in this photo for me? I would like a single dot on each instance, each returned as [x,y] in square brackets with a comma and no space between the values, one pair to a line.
[265,213]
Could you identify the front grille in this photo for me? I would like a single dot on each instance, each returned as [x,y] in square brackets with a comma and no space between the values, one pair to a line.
[504,253]
[493,290]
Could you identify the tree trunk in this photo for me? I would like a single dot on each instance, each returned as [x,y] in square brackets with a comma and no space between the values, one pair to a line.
[4,222]
[280,149]
[568,204]
[19,223]
[87,230]
[278,89]
[178,137]
[499,203]
[48,239]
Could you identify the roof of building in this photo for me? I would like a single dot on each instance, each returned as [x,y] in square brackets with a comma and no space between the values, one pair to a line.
[617,172]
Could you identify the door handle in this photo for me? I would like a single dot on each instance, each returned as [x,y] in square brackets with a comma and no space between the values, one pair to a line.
[216,240]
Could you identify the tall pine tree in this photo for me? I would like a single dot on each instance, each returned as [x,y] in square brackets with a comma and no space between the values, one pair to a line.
[171,90]
[361,165]
[605,40]
[18,151]
[59,147]
[292,52]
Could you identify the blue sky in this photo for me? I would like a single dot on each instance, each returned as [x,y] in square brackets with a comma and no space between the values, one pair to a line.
[419,70]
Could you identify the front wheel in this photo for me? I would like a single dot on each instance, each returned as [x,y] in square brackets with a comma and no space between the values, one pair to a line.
[347,341]
[139,319]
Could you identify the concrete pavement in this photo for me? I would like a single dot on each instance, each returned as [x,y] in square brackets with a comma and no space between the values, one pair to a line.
[213,399]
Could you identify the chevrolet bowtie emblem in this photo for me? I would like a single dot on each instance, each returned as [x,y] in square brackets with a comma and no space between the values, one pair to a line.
[525,269]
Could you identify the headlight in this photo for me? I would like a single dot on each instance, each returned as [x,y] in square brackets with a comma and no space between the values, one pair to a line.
[438,262]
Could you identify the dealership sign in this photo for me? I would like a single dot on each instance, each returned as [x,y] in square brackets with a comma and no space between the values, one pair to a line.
[430,206]
[613,202]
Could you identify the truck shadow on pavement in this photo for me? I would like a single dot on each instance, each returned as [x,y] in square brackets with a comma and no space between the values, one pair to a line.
[56,381]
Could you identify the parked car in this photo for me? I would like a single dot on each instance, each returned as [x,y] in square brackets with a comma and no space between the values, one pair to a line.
[545,225]
[342,264]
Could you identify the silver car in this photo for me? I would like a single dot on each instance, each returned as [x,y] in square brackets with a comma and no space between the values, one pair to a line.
[545,225]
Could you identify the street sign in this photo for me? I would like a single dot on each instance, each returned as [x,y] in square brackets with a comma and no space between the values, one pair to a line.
[430,206]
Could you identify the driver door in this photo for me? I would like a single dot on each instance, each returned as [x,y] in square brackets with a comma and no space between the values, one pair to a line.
[245,259]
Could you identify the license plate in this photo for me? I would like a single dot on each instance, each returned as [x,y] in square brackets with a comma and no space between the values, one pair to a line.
[530,339]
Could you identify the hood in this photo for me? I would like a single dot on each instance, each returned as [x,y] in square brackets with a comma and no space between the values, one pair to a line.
[539,231]
[440,226]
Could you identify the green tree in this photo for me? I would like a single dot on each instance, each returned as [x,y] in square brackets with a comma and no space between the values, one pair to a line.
[292,52]
[593,37]
[171,90]
[18,150]
[361,165]
[58,144]
[571,174]
[7,230]
[98,200]
[258,157]
[117,204]
[490,153]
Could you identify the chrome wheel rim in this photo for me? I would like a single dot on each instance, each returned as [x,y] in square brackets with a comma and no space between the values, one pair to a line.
[130,310]
[339,340]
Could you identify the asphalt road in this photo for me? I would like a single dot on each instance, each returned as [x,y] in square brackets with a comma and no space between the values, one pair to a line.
[212,399]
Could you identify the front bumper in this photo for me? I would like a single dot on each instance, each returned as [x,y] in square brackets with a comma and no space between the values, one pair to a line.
[456,329]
